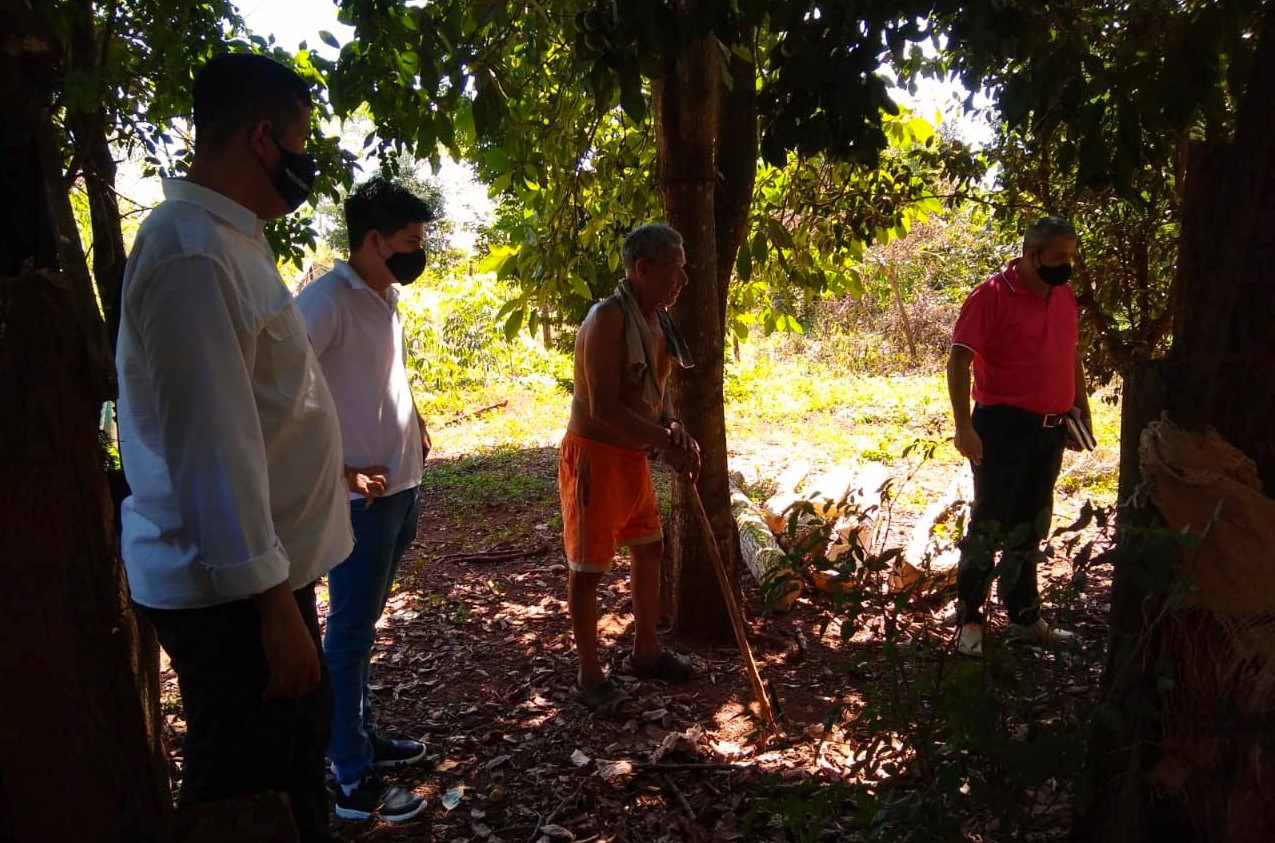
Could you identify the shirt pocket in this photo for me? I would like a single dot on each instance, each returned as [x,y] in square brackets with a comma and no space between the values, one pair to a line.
[286,356]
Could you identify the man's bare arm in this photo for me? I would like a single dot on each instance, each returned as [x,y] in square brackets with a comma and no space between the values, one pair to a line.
[967,440]
[603,347]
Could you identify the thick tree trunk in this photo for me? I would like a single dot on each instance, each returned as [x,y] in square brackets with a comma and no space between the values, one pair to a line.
[68,655]
[686,112]
[1220,373]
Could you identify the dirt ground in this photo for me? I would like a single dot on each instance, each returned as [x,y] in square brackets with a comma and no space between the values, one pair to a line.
[474,657]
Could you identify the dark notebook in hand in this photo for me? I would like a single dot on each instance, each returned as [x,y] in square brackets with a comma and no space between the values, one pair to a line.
[1079,431]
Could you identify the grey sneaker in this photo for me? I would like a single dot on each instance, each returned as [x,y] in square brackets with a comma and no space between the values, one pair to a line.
[373,796]
[1040,633]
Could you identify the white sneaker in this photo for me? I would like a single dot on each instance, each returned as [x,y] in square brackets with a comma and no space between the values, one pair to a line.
[970,641]
[1040,633]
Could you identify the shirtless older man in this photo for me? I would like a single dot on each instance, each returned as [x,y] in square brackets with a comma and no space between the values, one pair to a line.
[621,411]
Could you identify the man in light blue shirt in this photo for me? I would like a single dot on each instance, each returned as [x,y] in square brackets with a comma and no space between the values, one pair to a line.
[231,444]
[352,317]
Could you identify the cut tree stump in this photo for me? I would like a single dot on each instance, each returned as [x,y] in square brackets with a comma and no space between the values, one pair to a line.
[761,553]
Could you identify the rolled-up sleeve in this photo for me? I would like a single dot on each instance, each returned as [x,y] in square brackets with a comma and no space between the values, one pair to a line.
[199,354]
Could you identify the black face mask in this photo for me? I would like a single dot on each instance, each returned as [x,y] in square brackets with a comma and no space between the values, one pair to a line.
[1054,276]
[406,267]
[294,178]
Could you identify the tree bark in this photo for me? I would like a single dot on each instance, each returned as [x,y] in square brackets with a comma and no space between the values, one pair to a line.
[68,693]
[68,655]
[91,156]
[686,107]
[1221,373]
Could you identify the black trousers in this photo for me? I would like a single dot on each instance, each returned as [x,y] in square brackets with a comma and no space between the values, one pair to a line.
[1013,507]
[238,744]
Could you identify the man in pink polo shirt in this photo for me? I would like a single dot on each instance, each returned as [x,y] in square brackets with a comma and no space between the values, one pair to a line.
[1019,329]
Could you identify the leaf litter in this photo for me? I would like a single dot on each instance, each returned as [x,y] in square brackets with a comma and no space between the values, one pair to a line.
[475,658]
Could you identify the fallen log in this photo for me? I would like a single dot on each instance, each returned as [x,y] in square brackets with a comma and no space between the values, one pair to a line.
[857,525]
[776,507]
[933,552]
[764,557]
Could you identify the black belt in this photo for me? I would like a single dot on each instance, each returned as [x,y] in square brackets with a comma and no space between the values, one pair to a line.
[1045,420]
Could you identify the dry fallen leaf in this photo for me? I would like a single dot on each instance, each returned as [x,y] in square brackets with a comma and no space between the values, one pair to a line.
[579,759]
[612,770]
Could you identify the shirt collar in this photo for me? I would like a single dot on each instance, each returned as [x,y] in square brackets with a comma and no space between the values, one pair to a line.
[1010,274]
[356,282]
[184,190]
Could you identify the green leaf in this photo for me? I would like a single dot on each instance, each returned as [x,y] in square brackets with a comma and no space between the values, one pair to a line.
[779,235]
[632,100]
[514,323]
[329,39]
[744,265]
[496,258]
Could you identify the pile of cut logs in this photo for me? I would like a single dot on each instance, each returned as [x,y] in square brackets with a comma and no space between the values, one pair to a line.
[798,534]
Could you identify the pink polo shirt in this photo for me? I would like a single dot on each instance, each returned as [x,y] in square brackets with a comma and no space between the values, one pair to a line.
[1024,345]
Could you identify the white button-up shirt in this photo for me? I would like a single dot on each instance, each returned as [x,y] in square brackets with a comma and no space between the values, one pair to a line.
[359,340]
[228,433]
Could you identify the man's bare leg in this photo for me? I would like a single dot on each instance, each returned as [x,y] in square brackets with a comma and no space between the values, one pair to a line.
[582,603]
[646,600]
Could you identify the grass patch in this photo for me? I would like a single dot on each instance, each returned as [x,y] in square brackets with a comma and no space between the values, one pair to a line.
[492,478]
[780,407]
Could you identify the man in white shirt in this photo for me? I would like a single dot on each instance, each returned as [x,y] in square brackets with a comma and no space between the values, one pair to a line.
[352,317]
[231,444]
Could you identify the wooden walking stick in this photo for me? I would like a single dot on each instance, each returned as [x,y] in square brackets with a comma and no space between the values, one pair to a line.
[732,607]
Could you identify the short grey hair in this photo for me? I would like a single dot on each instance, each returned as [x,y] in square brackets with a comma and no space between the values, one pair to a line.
[651,242]
[1045,229]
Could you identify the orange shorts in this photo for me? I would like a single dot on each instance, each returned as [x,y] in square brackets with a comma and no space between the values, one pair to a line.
[607,501]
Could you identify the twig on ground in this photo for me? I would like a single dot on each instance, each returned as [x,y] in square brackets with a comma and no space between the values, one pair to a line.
[471,413]
[553,815]
[679,796]
[494,555]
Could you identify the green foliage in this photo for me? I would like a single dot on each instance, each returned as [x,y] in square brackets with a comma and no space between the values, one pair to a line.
[455,342]
[550,103]
[938,740]
[126,77]
[1117,85]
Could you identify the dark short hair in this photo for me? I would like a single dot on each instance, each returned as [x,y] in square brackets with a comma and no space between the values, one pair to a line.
[236,90]
[651,241]
[1045,229]
[381,205]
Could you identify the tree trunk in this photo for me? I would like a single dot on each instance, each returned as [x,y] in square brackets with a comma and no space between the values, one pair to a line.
[91,156]
[68,655]
[1220,373]
[686,107]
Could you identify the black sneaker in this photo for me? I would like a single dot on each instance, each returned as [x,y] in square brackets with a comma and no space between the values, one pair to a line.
[373,796]
[395,752]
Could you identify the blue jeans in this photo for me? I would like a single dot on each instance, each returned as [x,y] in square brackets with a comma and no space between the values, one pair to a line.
[357,591]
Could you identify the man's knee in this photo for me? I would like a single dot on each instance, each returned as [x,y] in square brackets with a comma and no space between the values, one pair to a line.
[585,582]
[648,553]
